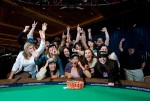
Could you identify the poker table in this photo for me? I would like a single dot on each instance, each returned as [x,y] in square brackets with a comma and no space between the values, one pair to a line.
[95,89]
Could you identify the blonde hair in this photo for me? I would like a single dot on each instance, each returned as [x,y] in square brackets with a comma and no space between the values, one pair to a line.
[26,53]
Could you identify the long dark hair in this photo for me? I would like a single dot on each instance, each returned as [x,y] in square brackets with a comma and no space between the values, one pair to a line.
[54,72]
[79,70]
[109,65]
[84,59]
[68,50]
[94,45]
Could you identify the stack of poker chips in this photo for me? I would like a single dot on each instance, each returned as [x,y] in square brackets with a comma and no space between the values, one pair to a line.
[75,84]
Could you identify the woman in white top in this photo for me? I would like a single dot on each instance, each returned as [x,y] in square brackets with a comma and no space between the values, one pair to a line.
[25,59]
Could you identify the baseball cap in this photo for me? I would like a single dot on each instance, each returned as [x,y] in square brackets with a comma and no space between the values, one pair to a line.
[102,54]
[74,54]
[51,45]
[31,41]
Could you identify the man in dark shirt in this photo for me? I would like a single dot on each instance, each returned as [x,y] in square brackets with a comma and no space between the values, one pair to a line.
[132,63]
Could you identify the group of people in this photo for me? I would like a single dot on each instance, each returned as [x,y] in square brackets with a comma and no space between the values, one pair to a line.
[77,58]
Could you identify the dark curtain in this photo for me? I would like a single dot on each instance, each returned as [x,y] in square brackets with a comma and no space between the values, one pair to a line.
[139,37]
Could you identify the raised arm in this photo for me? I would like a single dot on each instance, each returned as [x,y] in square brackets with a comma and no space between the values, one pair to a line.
[20,36]
[41,48]
[42,44]
[30,34]
[120,44]
[83,39]
[44,27]
[80,52]
[60,48]
[68,35]
[104,29]
[89,34]
[78,34]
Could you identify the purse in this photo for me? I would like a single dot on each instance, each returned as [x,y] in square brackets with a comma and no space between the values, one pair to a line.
[41,74]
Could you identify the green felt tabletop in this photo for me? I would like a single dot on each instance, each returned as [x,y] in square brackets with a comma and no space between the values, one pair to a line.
[58,93]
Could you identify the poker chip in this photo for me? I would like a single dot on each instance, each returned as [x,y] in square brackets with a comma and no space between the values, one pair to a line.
[75,84]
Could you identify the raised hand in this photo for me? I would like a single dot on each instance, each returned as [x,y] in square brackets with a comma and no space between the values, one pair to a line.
[78,28]
[74,50]
[55,52]
[86,66]
[68,28]
[123,39]
[89,30]
[82,31]
[64,36]
[26,28]
[34,24]
[104,29]
[79,63]
[42,34]
[44,26]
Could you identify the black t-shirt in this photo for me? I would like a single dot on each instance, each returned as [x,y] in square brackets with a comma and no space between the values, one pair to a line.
[131,62]
[111,68]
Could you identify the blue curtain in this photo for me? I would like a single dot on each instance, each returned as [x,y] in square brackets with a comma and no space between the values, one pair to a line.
[139,37]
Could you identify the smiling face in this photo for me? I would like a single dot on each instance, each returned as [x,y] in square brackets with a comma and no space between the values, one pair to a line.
[90,44]
[56,44]
[75,61]
[67,44]
[47,43]
[104,49]
[52,67]
[51,49]
[131,51]
[66,52]
[31,48]
[77,47]
[88,55]
[102,60]
[99,41]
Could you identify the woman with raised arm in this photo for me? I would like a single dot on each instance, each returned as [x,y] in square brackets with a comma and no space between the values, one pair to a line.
[90,43]
[25,60]
[78,46]
[52,55]
[29,35]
